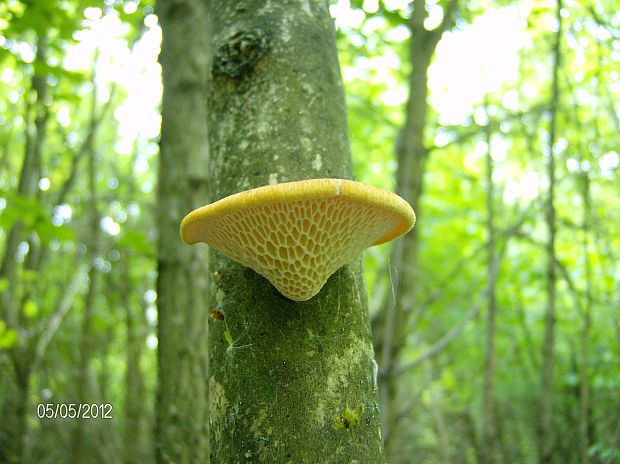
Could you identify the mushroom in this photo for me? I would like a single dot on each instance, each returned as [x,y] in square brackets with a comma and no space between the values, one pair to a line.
[297,234]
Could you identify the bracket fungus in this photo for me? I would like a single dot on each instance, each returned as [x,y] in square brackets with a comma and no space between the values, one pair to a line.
[297,234]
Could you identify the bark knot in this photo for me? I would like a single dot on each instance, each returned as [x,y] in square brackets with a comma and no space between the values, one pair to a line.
[238,55]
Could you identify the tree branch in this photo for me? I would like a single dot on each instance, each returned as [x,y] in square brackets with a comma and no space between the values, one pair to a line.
[558,264]
[56,319]
[443,341]
[471,313]
[84,147]
[447,22]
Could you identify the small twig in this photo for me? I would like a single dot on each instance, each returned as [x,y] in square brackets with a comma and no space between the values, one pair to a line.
[443,341]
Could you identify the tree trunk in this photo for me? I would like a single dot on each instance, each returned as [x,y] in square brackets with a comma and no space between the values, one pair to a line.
[584,366]
[14,412]
[27,184]
[277,114]
[182,407]
[84,438]
[136,434]
[489,428]
[436,399]
[14,420]
[411,153]
[546,412]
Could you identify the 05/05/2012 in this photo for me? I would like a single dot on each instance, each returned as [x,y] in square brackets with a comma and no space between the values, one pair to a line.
[74,411]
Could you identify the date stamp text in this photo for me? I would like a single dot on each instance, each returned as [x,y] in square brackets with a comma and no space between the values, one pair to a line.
[74,411]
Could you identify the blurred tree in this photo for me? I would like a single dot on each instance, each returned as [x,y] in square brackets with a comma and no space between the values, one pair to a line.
[137,436]
[46,264]
[16,407]
[85,431]
[289,370]
[490,441]
[546,412]
[411,151]
[182,407]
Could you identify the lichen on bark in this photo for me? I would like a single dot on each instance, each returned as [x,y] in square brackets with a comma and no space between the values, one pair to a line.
[282,372]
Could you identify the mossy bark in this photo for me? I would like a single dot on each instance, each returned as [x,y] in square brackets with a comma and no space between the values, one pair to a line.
[182,406]
[285,377]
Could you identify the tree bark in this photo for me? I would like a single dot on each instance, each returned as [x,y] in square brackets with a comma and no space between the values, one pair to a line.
[277,114]
[546,412]
[181,405]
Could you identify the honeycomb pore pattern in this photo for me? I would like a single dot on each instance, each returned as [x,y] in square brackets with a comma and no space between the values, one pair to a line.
[297,243]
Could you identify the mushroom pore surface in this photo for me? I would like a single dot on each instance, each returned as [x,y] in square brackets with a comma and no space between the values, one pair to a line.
[298,234]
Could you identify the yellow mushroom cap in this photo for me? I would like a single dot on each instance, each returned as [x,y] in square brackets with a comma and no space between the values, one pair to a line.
[297,234]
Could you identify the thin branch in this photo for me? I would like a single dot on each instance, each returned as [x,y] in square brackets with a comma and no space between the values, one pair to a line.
[85,146]
[471,313]
[443,341]
[597,19]
[558,263]
[611,108]
[494,123]
[510,231]
[57,318]
[447,22]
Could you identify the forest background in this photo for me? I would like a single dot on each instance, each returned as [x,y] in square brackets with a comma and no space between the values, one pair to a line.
[507,341]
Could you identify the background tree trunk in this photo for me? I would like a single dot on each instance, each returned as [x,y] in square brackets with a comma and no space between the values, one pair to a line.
[84,438]
[276,114]
[411,151]
[584,366]
[135,436]
[489,423]
[546,412]
[182,408]
[14,425]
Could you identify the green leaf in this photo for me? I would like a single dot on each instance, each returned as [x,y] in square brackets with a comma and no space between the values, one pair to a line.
[27,210]
[47,231]
[8,338]
[30,309]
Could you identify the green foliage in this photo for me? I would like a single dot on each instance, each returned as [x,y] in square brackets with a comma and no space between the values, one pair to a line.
[452,228]
[439,401]
[8,337]
[138,242]
[30,309]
